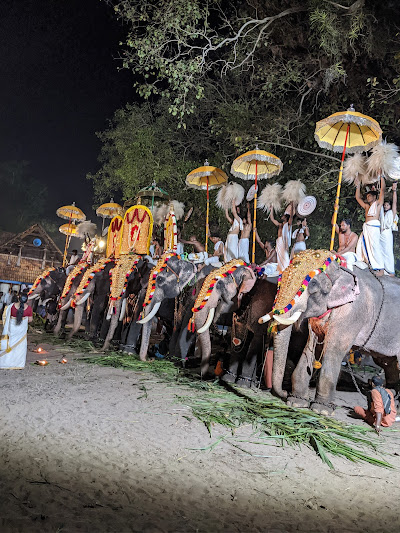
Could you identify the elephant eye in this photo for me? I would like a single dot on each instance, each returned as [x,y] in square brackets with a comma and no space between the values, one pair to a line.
[312,287]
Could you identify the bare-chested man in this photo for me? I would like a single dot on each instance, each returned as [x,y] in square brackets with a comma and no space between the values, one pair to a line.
[244,241]
[284,238]
[347,242]
[369,246]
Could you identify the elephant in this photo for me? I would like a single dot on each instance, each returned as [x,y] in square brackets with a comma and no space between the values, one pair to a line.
[137,279]
[168,285]
[98,291]
[50,286]
[345,310]
[225,297]
[65,302]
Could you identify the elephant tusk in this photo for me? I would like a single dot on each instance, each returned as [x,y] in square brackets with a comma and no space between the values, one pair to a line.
[150,315]
[123,309]
[263,319]
[67,305]
[288,321]
[207,324]
[83,299]
[34,297]
[44,302]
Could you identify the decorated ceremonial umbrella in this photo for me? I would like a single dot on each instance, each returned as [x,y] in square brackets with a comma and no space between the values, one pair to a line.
[68,229]
[346,130]
[206,178]
[109,210]
[70,213]
[254,165]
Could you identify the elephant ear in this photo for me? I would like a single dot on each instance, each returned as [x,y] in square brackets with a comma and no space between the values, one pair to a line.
[344,289]
[248,281]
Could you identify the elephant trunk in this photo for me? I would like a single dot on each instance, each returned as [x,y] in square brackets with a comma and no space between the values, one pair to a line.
[281,346]
[77,321]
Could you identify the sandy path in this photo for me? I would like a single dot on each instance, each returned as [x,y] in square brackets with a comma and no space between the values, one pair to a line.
[85,448]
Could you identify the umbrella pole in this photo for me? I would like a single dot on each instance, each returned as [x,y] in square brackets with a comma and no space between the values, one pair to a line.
[207,216]
[336,208]
[253,255]
[66,244]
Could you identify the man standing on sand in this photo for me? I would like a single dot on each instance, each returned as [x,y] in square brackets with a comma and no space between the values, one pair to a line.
[369,245]
[381,407]
[387,221]
[347,242]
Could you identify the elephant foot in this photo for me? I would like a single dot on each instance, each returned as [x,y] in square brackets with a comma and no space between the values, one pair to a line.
[246,383]
[228,377]
[326,409]
[294,401]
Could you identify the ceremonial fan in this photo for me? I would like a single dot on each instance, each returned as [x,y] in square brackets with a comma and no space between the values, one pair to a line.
[254,165]
[346,130]
[206,178]
[72,214]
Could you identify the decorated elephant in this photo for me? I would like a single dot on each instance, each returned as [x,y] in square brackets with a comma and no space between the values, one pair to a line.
[127,278]
[70,286]
[167,280]
[94,285]
[220,294]
[50,283]
[345,310]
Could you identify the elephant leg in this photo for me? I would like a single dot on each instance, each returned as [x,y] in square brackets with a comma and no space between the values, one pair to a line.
[77,320]
[144,345]
[95,315]
[302,375]
[132,337]
[62,320]
[248,373]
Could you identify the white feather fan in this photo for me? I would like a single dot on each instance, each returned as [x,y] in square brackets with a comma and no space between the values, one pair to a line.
[159,213]
[270,196]
[179,209]
[86,228]
[293,191]
[354,168]
[382,160]
[225,196]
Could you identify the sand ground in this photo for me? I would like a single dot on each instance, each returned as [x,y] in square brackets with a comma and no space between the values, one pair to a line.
[95,449]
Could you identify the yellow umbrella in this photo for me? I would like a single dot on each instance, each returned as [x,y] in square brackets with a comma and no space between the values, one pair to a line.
[346,130]
[206,178]
[68,229]
[110,210]
[254,165]
[71,212]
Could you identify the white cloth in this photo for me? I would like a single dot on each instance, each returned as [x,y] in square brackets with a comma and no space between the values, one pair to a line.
[298,230]
[386,241]
[351,259]
[180,248]
[17,342]
[198,257]
[7,298]
[74,259]
[243,252]
[271,270]
[282,247]
[213,260]
[298,247]
[231,249]
[369,247]
[373,209]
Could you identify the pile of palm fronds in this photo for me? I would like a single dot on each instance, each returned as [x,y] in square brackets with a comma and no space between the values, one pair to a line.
[270,418]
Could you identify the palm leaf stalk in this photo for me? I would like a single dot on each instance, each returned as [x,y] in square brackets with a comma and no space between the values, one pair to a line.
[270,418]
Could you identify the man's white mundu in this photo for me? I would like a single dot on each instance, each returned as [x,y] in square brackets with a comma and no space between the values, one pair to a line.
[369,247]
[386,240]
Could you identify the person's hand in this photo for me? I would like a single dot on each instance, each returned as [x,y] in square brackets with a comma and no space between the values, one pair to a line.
[394,187]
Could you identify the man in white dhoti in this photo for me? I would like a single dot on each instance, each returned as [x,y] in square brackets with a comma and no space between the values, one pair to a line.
[14,335]
[218,256]
[300,235]
[231,250]
[244,241]
[387,221]
[369,246]
[283,240]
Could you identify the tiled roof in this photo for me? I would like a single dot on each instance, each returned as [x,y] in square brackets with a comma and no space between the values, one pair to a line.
[29,270]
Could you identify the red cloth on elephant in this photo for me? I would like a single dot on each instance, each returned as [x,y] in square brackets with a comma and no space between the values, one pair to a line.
[377,407]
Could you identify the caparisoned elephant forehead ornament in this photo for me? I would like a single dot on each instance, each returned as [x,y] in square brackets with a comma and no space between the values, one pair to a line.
[296,277]
[45,274]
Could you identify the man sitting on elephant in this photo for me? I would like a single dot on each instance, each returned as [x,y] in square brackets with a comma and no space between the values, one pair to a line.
[347,242]
[381,407]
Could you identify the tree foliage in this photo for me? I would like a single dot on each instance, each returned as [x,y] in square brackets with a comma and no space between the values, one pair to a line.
[218,77]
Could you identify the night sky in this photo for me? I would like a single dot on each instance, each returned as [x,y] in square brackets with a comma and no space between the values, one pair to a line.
[59,84]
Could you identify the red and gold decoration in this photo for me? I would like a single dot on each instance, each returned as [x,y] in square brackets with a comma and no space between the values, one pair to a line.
[295,278]
[170,231]
[71,276]
[137,230]
[87,277]
[206,178]
[346,130]
[151,287]
[114,237]
[72,214]
[254,165]
[38,280]
[209,284]
[119,275]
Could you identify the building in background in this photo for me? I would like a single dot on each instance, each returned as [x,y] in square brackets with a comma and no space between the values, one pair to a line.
[24,256]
